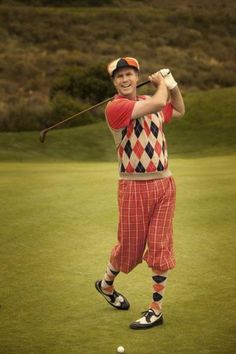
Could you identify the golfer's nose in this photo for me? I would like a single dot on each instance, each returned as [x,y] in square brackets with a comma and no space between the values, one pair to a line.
[125,78]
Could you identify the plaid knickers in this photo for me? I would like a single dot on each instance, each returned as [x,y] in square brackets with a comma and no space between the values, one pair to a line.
[145,231]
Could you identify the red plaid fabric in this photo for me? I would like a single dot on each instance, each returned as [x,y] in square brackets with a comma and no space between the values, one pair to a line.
[146,211]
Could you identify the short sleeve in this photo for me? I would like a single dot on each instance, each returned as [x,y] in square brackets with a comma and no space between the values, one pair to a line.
[167,112]
[119,112]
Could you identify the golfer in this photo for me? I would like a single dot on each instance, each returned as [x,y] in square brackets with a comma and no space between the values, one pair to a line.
[146,188]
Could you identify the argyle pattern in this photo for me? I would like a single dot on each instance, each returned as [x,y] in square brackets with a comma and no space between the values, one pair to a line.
[109,277]
[143,146]
[158,287]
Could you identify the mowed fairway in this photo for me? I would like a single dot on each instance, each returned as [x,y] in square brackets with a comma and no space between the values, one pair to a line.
[58,224]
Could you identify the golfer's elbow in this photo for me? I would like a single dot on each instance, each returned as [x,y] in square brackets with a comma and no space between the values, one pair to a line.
[177,102]
[180,111]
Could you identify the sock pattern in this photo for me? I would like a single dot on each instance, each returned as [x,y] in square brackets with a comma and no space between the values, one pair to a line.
[109,277]
[159,288]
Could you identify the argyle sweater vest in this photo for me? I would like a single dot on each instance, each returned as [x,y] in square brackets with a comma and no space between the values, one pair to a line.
[142,149]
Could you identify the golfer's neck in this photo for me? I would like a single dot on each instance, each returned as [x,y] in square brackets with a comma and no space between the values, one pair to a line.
[132,96]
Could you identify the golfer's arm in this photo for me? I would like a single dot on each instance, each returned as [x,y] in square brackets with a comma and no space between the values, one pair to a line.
[153,104]
[177,102]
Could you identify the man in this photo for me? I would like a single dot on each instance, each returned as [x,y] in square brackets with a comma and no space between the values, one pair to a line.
[146,191]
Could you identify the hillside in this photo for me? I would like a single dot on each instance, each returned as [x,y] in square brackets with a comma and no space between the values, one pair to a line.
[208,128]
[38,43]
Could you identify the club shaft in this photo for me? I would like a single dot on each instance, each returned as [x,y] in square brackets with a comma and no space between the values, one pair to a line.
[77,114]
[44,131]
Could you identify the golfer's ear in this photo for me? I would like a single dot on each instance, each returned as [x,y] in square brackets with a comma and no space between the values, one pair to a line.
[113,81]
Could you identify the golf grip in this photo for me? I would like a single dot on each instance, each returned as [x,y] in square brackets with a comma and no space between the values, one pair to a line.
[43,132]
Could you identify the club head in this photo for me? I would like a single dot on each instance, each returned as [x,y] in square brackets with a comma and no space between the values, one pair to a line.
[42,136]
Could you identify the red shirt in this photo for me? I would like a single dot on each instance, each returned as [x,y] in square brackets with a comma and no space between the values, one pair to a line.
[119,112]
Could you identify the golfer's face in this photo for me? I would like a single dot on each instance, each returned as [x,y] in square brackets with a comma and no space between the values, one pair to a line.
[125,81]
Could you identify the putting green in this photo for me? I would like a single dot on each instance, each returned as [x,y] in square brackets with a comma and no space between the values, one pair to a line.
[58,224]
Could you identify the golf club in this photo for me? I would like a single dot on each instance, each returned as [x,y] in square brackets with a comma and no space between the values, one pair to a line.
[43,132]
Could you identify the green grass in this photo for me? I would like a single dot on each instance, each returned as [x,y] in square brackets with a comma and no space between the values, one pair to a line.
[93,142]
[58,224]
[208,126]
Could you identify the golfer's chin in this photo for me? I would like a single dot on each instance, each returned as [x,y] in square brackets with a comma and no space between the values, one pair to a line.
[127,92]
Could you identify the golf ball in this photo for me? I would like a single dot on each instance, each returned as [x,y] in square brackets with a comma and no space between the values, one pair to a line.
[120,349]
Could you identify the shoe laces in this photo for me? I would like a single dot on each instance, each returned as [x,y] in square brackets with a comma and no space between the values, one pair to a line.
[148,314]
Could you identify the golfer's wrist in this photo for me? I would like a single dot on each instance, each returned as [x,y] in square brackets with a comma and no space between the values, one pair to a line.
[174,86]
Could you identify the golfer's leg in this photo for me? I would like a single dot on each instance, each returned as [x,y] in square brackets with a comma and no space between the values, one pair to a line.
[159,284]
[133,225]
[108,279]
[160,254]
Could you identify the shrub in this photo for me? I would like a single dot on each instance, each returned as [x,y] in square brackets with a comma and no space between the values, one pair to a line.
[36,113]
[63,3]
[25,113]
[64,106]
[91,84]
[37,43]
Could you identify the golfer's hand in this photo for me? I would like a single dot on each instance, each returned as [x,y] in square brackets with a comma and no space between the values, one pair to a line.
[157,79]
[169,79]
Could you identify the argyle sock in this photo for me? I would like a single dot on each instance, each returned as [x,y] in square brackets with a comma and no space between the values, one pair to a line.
[159,285]
[109,277]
